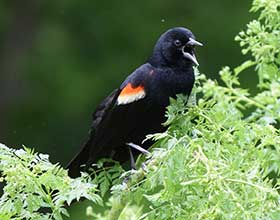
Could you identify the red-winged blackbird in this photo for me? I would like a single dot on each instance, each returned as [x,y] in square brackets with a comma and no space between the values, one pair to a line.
[137,107]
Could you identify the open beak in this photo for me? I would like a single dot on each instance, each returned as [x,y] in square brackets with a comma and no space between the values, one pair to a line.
[189,54]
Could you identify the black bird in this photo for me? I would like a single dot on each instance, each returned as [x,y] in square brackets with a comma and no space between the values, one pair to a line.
[137,107]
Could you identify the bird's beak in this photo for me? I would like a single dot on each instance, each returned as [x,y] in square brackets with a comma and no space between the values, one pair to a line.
[193,42]
[190,55]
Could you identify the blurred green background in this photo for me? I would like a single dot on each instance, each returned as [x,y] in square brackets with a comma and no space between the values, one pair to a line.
[58,59]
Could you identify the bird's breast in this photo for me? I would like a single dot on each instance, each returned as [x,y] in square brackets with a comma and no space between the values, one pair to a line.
[169,84]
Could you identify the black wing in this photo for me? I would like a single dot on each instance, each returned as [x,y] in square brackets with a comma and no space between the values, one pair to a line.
[103,108]
[98,116]
[115,122]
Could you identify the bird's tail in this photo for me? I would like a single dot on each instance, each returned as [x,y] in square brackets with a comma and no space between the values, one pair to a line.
[74,166]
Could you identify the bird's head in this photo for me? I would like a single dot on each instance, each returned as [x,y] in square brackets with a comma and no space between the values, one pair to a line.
[176,47]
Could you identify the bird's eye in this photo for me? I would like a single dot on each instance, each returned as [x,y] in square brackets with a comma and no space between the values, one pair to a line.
[177,43]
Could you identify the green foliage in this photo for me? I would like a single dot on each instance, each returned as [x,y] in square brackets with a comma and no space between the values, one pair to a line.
[213,162]
[214,159]
[105,175]
[36,189]
[261,39]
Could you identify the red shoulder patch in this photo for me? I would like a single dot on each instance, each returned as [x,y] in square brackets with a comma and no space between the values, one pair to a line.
[130,94]
[129,89]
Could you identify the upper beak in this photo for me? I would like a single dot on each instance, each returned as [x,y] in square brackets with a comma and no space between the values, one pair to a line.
[193,42]
[191,56]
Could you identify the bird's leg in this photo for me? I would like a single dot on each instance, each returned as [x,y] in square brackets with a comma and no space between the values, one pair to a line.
[132,161]
[132,164]
[137,147]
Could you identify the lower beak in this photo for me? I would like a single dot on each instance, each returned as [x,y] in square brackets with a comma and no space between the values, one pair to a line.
[190,56]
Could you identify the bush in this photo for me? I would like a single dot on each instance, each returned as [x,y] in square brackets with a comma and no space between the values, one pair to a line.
[218,159]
